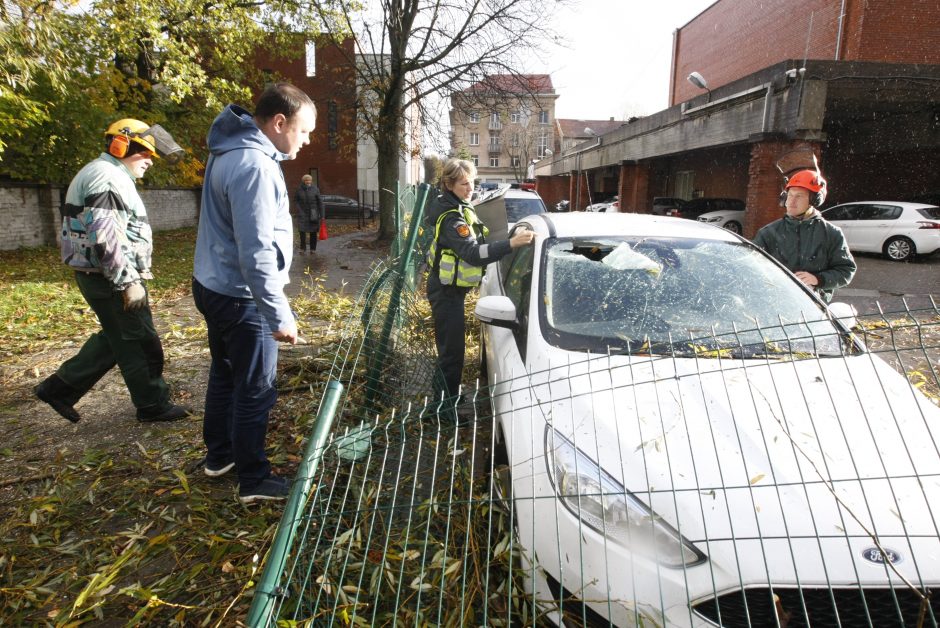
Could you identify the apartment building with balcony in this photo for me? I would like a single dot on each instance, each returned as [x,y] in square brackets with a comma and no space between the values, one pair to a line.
[503,123]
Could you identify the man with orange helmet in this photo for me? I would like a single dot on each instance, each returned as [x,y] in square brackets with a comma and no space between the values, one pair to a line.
[106,240]
[813,249]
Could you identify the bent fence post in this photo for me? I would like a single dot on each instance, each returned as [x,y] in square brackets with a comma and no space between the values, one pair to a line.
[269,588]
[381,350]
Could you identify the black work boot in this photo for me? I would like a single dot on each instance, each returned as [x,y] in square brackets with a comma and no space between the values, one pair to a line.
[60,396]
[171,413]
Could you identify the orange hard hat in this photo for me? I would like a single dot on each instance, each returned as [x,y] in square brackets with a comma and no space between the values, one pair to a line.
[809,179]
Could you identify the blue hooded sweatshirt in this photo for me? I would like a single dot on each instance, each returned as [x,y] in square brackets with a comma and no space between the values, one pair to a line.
[245,241]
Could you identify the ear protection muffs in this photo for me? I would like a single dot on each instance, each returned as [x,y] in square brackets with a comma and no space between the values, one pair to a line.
[119,145]
[816,199]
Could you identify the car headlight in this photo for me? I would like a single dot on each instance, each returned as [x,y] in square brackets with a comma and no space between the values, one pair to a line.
[710,218]
[604,504]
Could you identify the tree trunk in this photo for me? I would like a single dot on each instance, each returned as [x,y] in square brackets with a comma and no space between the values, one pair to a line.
[388,144]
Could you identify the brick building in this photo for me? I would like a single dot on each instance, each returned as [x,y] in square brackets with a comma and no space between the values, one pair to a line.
[325,73]
[857,83]
[504,122]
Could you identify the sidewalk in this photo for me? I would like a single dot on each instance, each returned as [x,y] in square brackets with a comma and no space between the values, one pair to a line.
[343,262]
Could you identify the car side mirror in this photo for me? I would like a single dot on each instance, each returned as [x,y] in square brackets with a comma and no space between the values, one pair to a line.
[496,310]
[845,313]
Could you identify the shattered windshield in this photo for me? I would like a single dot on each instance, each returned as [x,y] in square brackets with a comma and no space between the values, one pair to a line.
[678,296]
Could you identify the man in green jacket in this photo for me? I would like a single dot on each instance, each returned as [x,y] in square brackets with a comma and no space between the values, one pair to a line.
[813,249]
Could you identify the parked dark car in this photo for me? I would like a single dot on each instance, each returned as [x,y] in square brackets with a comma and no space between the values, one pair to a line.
[698,206]
[345,207]
[663,205]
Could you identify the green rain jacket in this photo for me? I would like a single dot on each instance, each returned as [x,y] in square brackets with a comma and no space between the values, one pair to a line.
[812,245]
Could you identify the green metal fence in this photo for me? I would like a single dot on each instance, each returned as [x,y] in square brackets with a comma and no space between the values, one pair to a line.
[489,511]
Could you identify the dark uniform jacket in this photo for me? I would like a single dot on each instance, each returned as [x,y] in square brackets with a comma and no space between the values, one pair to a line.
[457,235]
[812,245]
[309,207]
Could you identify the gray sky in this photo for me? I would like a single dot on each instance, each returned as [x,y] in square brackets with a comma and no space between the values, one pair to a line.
[618,55]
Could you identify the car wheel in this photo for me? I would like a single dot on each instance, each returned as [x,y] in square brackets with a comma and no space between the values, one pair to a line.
[899,249]
[733,226]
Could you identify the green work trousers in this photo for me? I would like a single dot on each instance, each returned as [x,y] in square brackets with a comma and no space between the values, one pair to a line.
[128,339]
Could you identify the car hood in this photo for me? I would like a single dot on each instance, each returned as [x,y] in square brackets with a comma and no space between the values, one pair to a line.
[731,449]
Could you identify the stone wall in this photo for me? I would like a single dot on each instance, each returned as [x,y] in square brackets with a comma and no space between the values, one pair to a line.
[30,212]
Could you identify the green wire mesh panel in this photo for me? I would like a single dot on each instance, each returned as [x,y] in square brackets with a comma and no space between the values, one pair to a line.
[510,519]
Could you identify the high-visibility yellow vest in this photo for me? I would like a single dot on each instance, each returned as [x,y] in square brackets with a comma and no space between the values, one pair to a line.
[451,270]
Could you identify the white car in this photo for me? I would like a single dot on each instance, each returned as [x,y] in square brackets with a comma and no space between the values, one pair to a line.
[730,219]
[686,437]
[610,206]
[897,230]
[501,208]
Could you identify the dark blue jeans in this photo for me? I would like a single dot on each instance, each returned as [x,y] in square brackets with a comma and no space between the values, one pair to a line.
[241,390]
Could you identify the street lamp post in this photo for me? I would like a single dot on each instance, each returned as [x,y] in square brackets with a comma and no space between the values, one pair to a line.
[587,131]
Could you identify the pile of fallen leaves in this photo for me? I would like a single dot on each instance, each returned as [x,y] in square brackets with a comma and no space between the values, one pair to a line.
[135,533]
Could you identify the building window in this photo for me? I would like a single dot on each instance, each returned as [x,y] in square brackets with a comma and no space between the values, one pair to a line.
[685,183]
[475,159]
[515,162]
[515,117]
[474,116]
[332,125]
[494,162]
[542,145]
[311,58]
[494,121]
[474,139]
[543,117]
[515,139]
[494,144]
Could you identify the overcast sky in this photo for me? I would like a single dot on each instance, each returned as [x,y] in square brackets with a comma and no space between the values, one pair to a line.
[618,56]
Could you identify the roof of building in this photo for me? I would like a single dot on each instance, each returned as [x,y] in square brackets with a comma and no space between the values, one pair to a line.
[514,83]
[570,127]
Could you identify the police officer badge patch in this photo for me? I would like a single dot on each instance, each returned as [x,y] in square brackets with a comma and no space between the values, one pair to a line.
[463,230]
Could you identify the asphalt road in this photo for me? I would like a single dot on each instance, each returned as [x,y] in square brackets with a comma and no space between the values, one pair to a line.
[892,284]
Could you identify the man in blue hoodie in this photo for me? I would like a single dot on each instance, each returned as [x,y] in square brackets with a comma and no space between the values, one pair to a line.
[243,255]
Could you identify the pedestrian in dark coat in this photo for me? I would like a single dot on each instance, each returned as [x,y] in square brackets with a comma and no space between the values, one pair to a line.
[309,211]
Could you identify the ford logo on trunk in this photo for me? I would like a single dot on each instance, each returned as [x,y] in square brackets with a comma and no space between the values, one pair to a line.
[880,556]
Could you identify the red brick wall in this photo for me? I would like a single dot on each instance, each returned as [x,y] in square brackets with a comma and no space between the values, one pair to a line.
[634,188]
[901,31]
[733,38]
[552,189]
[335,82]
[719,172]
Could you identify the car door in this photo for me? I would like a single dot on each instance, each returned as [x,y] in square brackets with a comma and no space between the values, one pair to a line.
[517,285]
[845,217]
[875,224]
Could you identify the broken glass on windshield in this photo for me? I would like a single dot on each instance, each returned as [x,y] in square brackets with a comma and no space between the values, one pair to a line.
[681,296]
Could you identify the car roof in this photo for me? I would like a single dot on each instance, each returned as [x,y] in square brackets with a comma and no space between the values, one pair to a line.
[906,204]
[506,192]
[599,225]
[519,193]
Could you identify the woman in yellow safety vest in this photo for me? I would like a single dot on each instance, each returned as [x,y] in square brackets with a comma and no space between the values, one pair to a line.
[456,259]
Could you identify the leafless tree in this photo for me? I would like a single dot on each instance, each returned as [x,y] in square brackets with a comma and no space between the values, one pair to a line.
[417,52]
